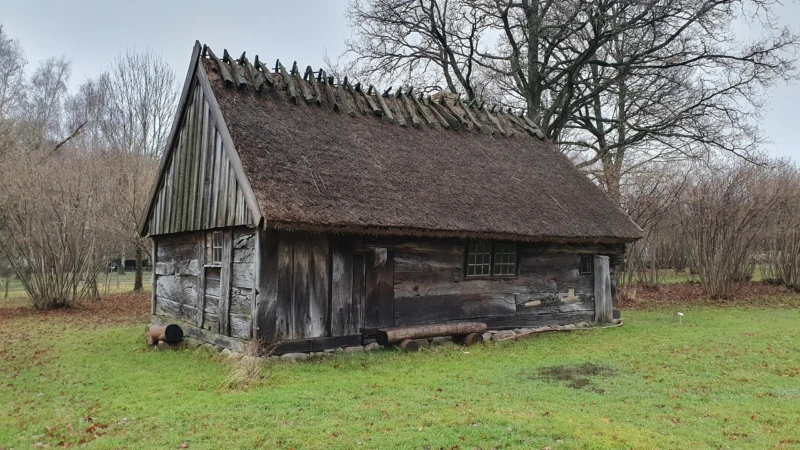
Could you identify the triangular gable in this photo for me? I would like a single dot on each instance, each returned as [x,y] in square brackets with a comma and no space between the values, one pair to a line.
[200,183]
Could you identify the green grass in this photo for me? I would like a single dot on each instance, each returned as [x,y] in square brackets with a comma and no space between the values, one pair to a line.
[111,284]
[726,378]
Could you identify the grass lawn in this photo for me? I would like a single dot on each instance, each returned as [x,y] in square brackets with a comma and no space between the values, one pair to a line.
[729,377]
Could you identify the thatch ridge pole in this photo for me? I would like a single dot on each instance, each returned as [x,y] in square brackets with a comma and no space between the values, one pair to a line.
[223,68]
[241,82]
[264,70]
[287,79]
[296,73]
[309,75]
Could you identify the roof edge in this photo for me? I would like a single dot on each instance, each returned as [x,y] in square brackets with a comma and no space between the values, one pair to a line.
[451,234]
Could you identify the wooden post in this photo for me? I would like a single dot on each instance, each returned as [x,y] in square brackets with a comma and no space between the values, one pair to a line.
[153,261]
[6,288]
[225,283]
[603,305]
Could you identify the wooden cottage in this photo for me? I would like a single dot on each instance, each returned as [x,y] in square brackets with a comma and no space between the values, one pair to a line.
[294,208]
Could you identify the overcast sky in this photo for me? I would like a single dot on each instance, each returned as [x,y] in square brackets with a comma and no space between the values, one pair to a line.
[92,33]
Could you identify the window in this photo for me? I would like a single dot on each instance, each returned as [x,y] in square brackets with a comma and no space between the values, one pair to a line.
[586,265]
[216,248]
[485,259]
[479,259]
[505,259]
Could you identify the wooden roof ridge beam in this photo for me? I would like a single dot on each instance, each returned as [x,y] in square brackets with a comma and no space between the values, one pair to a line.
[430,104]
[494,120]
[409,107]
[396,109]
[375,110]
[303,88]
[326,82]
[264,71]
[309,75]
[349,89]
[346,103]
[238,77]
[286,79]
[422,111]
[463,122]
[255,75]
[445,113]
[509,115]
[533,125]
[224,71]
[386,111]
[480,125]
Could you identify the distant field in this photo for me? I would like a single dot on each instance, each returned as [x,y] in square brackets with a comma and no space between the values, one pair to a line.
[672,276]
[108,284]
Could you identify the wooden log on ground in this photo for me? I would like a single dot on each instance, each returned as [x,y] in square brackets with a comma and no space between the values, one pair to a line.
[468,339]
[386,336]
[168,333]
[409,345]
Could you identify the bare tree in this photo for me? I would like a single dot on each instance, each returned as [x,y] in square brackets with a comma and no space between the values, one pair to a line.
[625,82]
[12,80]
[138,97]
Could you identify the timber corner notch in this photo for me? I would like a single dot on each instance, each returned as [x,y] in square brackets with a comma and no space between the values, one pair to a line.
[311,214]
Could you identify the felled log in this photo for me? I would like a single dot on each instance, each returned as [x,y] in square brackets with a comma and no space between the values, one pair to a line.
[386,336]
[165,333]
[468,339]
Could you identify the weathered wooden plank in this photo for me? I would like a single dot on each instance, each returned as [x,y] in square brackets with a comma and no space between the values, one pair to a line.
[264,71]
[384,107]
[287,80]
[212,281]
[224,70]
[154,243]
[310,286]
[200,334]
[309,75]
[537,320]
[178,289]
[270,324]
[188,268]
[165,268]
[235,69]
[244,255]
[303,88]
[343,98]
[242,274]
[359,290]
[201,283]
[603,302]
[344,320]
[397,110]
[410,108]
[329,93]
[557,307]
[180,252]
[368,97]
[419,310]
[284,308]
[379,303]
[178,310]
[241,326]
[241,301]
[316,344]
[423,111]
[547,263]
[202,178]
[572,249]
[244,238]
[210,321]
[225,283]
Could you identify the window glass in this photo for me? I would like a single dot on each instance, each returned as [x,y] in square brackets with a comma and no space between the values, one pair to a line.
[479,259]
[216,248]
[505,259]
[586,265]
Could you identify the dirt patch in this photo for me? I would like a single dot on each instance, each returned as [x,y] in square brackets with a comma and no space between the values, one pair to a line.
[118,309]
[576,376]
[752,294]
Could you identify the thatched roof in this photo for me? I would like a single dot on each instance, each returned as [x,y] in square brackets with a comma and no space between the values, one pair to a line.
[330,155]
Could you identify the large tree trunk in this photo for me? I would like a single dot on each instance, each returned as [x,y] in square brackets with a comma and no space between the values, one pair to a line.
[137,281]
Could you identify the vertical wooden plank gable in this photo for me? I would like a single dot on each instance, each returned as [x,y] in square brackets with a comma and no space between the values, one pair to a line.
[345,318]
[603,305]
[199,188]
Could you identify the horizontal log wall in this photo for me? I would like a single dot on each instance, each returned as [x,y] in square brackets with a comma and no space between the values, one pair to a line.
[199,189]
[430,286]
[217,298]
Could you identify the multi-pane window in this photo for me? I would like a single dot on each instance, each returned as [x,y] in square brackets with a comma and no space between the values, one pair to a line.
[487,259]
[505,259]
[216,247]
[479,259]
[586,265]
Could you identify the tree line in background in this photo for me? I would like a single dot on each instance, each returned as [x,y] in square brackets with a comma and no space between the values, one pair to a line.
[76,168]
[658,101]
